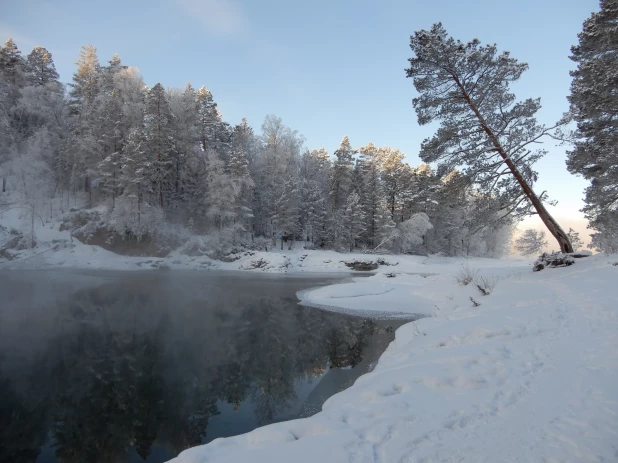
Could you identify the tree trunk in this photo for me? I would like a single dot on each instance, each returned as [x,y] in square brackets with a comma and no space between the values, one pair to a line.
[32,228]
[139,203]
[551,224]
[4,184]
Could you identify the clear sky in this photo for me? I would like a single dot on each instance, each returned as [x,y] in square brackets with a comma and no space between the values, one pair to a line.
[329,68]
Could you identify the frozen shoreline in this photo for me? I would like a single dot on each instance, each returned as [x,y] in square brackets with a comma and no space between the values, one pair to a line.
[533,368]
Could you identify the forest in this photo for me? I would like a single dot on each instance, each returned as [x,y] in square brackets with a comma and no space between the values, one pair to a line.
[156,164]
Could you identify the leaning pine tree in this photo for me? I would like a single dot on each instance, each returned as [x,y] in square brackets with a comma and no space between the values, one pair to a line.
[483,129]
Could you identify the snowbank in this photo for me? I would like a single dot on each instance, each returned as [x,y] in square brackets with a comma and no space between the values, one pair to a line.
[529,375]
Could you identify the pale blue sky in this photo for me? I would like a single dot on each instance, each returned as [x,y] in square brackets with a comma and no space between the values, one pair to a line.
[328,68]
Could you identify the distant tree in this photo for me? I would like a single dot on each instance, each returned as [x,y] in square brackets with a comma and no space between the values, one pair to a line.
[483,129]
[372,192]
[393,177]
[40,67]
[594,107]
[412,232]
[575,240]
[342,173]
[530,242]
[354,221]
[12,64]
[85,85]
[159,144]
[209,119]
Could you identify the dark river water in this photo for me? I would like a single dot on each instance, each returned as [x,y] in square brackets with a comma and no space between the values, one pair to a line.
[134,366]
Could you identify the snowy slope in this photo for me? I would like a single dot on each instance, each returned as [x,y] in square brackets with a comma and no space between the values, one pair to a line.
[529,375]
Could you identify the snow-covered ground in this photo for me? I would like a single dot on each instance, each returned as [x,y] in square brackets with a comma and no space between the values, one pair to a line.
[530,374]
[58,249]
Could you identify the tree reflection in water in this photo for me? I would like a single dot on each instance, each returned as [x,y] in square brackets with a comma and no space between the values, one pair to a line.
[131,367]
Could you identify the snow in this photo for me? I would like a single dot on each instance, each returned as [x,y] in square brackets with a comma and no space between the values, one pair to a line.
[529,375]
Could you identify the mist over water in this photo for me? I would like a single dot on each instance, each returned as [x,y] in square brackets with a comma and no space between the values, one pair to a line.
[131,366]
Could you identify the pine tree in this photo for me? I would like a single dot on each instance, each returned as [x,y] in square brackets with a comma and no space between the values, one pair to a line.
[531,241]
[160,144]
[86,85]
[209,119]
[483,129]
[354,221]
[183,106]
[372,191]
[83,145]
[40,67]
[220,192]
[575,240]
[242,185]
[342,173]
[594,105]
[392,173]
[12,64]
[111,143]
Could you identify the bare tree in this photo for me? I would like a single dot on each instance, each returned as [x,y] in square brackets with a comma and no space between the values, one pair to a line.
[483,129]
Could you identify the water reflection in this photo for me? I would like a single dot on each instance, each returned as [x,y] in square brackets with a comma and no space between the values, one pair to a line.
[136,369]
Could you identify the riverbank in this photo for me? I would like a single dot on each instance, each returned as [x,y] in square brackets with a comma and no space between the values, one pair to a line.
[530,374]
[527,372]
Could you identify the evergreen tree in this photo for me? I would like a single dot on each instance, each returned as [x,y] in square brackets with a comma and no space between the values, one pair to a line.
[354,221]
[12,66]
[83,144]
[183,106]
[393,169]
[372,191]
[220,192]
[531,241]
[594,105]
[342,173]
[86,85]
[242,185]
[575,239]
[209,119]
[483,128]
[40,67]
[159,140]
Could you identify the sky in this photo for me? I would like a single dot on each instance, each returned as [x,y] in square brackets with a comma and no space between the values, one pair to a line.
[328,68]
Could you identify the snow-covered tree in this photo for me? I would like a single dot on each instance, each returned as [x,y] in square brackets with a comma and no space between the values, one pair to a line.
[411,233]
[342,173]
[393,170]
[371,191]
[159,144]
[40,67]
[353,221]
[594,106]
[576,241]
[220,198]
[484,130]
[531,241]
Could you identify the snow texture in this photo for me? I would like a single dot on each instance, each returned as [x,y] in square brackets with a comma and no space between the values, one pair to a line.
[529,375]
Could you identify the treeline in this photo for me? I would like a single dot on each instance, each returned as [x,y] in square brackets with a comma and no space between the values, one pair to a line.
[149,157]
